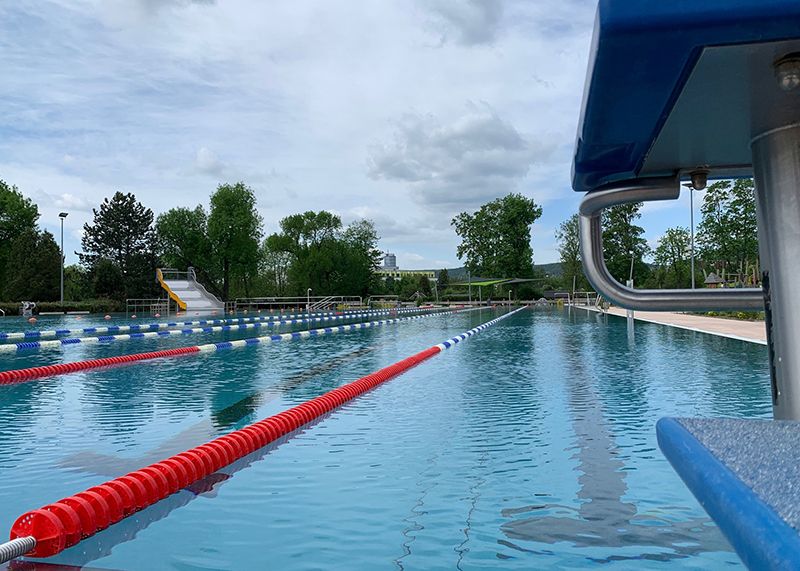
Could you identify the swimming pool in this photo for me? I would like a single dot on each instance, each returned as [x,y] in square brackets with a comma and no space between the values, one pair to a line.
[530,445]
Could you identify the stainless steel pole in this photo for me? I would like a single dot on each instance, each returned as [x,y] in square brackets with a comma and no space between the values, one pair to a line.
[691,221]
[62,260]
[776,166]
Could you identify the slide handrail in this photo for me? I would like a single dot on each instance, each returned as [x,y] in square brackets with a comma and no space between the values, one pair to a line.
[172,294]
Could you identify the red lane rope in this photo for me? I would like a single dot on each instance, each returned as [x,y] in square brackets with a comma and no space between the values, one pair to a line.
[64,523]
[20,375]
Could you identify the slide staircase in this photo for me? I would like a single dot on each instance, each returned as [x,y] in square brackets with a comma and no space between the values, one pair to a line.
[187,292]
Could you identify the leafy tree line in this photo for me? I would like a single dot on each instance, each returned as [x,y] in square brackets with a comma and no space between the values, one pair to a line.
[29,257]
[125,242]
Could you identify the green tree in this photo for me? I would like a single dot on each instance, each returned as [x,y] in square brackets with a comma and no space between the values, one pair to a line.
[623,240]
[77,283]
[18,215]
[443,280]
[234,230]
[325,256]
[122,234]
[361,257]
[182,239]
[424,286]
[727,237]
[496,240]
[274,267]
[569,247]
[672,257]
[33,267]
[107,280]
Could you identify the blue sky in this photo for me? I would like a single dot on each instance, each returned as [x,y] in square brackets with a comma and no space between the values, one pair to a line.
[406,112]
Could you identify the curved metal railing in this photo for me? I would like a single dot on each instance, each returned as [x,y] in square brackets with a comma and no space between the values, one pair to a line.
[594,265]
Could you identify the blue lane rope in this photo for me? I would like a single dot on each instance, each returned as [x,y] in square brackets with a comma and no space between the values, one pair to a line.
[172,324]
[59,343]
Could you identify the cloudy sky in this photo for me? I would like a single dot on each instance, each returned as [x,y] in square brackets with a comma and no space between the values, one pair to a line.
[402,111]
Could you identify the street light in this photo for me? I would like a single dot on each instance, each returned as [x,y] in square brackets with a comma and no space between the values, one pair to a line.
[690,186]
[61,216]
[630,276]
[308,300]
[509,297]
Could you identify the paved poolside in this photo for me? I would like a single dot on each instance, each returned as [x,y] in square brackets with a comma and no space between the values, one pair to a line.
[752,331]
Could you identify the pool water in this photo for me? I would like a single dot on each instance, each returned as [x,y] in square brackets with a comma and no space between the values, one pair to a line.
[530,445]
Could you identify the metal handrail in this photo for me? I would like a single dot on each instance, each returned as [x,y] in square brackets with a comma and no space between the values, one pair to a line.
[594,264]
[193,277]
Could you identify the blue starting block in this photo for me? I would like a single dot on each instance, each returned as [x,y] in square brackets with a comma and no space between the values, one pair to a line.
[682,92]
[745,474]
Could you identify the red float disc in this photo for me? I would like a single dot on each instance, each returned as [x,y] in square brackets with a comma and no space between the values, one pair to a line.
[100,507]
[45,527]
[85,512]
[69,519]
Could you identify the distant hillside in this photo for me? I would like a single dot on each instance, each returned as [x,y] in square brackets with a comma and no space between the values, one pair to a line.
[553,269]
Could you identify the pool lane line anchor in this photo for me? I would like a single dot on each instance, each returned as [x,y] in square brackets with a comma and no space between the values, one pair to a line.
[59,343]
[51,529]
[22,375]
[136,328]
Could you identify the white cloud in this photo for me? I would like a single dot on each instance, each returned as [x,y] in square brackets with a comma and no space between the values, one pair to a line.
[474,158]
[207,162]
[467,22]
[239,90]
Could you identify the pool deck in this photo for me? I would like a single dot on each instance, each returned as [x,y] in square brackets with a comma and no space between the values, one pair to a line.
[751,331]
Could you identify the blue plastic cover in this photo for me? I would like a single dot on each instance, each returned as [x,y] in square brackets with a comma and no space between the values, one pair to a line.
[641,56]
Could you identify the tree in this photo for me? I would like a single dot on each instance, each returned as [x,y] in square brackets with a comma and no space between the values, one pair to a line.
[325,256]
[77,283]
[274,267]
[18,215]
[107,280]
[569,247]
[443,280]
[33,267]
[182,239]
[122,234]
[361,257]
[672,256]
[424,286]
[234,230]
[496,240]
[623,240]
[727,237]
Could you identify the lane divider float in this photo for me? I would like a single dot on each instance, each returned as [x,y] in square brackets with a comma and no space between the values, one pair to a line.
[52,528]
[60,343]
[29,374]
[36,334]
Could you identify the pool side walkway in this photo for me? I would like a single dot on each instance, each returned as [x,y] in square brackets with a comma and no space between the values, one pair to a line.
[752,331]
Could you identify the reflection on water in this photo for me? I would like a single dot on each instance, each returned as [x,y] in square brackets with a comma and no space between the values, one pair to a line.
[603,518]
[530,445]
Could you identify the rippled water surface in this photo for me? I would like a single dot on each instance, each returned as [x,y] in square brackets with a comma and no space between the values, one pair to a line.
[530,445]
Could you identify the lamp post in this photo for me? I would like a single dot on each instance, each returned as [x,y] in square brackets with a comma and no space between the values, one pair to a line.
[469,286]
[630,275]
[690,186]
[509,298]
[308,300]
[61,216]
[629,312]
